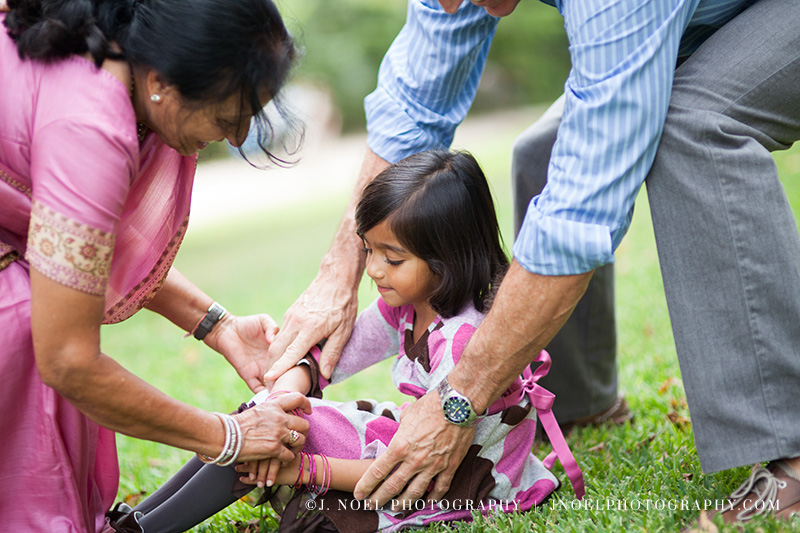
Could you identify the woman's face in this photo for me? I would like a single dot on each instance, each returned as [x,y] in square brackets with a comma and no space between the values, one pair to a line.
[188,127]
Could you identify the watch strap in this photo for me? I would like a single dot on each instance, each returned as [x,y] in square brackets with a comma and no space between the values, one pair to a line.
[214,315]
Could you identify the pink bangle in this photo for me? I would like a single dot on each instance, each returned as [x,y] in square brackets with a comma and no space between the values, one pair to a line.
[277,393]
[325,482]
[312,473]
[330,473]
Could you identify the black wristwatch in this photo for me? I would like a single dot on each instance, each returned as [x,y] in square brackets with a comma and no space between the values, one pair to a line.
[456,407]
[214,315]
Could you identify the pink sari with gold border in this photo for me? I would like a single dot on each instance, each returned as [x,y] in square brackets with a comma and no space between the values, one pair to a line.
[82,203]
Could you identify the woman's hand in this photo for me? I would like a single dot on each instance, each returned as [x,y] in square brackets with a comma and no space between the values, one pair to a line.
[267,429]
[244,342]
[265,471]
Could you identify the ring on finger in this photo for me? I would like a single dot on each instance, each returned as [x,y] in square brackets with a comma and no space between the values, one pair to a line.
[293,436]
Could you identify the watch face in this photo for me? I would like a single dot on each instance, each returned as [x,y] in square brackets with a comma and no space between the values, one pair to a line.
[457,410]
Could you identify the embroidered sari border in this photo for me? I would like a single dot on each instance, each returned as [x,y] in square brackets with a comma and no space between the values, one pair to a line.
[7,255]
[69,252]
[24,189]
[146,289]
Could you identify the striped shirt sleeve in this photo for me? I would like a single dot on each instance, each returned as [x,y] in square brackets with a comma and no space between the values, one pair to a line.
[623,60]
[428,79]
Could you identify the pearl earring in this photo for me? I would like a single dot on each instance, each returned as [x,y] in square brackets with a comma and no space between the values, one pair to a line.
[155,97]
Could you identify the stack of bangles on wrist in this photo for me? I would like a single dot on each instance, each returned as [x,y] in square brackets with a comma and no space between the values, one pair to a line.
[233,443]
[325,482]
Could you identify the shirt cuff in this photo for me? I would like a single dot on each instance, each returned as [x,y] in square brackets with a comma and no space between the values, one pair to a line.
[553,246]
[392,134]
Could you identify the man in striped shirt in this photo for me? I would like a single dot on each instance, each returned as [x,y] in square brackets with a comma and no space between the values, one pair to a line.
[700,133]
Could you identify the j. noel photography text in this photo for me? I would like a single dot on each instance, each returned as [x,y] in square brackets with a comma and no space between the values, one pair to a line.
[662,504]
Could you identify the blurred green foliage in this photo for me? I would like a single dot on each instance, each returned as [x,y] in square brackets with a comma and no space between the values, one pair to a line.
[344,43]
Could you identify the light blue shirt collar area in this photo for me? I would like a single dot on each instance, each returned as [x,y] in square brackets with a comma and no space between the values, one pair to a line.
[623,61]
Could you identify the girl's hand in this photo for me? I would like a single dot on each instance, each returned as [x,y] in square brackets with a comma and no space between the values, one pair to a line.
[281,475]
[262,473]
[244,342]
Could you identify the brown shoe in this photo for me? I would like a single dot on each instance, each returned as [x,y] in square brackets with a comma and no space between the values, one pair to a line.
[617,414]
[774,490]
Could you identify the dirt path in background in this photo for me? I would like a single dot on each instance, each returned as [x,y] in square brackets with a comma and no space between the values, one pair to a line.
[232,188]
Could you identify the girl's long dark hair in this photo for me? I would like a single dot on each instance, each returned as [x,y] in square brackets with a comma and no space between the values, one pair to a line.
[439,206]
[208,49]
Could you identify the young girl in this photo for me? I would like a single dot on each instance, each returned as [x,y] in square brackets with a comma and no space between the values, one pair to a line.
[433,250]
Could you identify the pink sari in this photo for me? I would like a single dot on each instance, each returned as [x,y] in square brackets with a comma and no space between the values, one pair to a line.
[84,205]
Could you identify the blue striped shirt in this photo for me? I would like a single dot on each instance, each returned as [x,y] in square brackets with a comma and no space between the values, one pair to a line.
[623,60]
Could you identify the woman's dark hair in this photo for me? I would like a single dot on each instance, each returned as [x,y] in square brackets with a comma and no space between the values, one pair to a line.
[208,49]
[440,208]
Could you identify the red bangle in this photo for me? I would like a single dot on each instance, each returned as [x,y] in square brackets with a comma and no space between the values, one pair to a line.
[299,481]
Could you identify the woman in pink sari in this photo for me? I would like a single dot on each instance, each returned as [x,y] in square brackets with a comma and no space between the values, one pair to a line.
[103,105]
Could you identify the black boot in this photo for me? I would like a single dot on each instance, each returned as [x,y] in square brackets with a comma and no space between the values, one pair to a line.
[123,519]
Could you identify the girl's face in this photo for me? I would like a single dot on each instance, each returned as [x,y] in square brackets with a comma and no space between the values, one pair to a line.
[402,278]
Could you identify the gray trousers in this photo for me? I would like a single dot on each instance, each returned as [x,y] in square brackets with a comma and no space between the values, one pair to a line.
[727,240]
[584,372]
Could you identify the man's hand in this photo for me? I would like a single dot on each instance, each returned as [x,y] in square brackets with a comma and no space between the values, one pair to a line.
[425,447]
[325,310]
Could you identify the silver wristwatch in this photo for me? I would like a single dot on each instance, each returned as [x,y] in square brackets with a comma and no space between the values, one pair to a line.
[456,407]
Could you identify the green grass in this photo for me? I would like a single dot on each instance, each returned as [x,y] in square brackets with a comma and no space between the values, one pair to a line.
[261,264]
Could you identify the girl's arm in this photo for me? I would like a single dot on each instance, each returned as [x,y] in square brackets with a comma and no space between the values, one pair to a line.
[374,338]
[344,473]
[296,379]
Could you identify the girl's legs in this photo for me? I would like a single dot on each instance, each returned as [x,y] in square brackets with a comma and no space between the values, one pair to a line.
[196,492]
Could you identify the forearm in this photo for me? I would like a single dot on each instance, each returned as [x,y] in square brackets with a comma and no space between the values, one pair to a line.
[65,324]
[344,259]
[296,379]
[180,301]
[344,473]
[528,311]
[327,309]
[120,401]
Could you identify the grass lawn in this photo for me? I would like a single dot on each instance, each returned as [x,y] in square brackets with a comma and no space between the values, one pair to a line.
[643,477]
